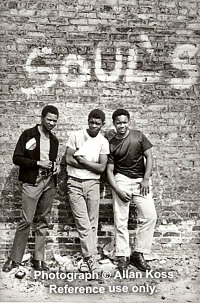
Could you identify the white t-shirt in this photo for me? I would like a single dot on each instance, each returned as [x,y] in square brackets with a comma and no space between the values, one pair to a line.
[44,146]
[44,149]
[88,147]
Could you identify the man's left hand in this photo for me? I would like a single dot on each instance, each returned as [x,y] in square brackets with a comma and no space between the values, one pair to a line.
[56,168]
[144,187]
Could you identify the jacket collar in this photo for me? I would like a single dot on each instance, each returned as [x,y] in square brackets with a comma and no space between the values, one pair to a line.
[37,133]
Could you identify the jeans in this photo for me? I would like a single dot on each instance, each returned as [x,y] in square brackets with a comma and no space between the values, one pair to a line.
[36,203]
[146,217]
[84,198]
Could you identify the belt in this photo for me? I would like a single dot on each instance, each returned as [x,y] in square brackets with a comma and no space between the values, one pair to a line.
[80,180]
[44,172]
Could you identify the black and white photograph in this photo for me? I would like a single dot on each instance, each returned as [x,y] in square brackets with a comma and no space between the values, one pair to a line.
[100,153]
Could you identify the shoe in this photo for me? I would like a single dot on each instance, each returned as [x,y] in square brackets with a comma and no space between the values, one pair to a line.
[92,263]
[139,262]
[83,266]
[9,265]
[20,274]
[123,263]
[39,265]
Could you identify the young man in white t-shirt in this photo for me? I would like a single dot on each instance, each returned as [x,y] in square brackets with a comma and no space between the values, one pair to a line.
[86,157]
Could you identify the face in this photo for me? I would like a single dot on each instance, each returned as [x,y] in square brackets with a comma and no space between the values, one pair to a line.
[95,126]
[121,124]
[49,121]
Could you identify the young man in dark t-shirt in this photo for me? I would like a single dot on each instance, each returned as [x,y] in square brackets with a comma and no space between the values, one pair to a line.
[128,171]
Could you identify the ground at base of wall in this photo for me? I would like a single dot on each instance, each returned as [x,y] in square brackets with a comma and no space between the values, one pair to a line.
[172,279]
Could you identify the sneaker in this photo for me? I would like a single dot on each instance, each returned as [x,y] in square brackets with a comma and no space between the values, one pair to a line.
[92,263]
[83,266]
[123,263]
[20,274]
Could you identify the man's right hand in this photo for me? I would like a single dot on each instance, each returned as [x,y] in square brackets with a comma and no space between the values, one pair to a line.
[124,196]
[45,164]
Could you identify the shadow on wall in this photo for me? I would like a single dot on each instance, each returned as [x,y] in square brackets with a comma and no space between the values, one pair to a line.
[62,236]
[58,238]
[11,198]
[62,229]
[67,236]
[10,210]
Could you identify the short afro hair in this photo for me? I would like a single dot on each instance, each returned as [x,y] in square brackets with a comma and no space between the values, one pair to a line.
[50,109]
[97,114]
[120,112]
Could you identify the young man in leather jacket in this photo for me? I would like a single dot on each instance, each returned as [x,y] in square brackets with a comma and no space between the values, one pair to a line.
[35,154]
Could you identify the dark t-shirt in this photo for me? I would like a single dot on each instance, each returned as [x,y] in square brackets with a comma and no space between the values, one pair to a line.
[127,154]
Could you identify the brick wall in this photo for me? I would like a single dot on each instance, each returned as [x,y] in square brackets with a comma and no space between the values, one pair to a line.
[142,55]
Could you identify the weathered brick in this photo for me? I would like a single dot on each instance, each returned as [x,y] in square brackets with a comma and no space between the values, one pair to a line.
[196,228]
[158,82]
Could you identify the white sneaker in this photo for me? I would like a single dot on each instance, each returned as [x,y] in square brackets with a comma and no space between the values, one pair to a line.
[92,263]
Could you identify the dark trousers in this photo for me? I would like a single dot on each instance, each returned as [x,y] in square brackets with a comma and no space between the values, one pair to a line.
[36,203]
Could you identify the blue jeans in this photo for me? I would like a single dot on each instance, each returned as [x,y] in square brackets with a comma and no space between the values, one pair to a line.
[146,217]
[84,198]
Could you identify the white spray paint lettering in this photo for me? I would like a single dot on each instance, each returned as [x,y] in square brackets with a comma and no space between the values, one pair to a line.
[133,75]
[38,89]
[75,80]
[179,60]
[111,76]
